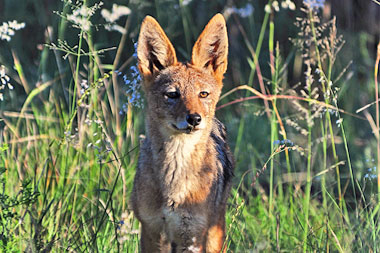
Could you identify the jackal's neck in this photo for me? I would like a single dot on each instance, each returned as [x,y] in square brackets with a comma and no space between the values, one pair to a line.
[179,161]
[183,149]
[169,146]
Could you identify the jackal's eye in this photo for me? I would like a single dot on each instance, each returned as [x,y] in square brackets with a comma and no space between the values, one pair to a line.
[172,94]
[204,94]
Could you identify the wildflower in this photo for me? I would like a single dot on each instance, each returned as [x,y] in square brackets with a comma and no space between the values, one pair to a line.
[80,20]
[133,91]
[133,82]
[111,17]
[371,173]
[242,12]
[186,2]
[84,86]
[7,29]
[117,12]
[339,122]
[246,11]
[135,52]
[275,6]
[4,81]
[314,4]
[267,8]
[288,4]
[82,14]
[283,142]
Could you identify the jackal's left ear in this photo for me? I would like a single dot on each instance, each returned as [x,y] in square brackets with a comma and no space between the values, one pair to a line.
[154,50]
[211,49]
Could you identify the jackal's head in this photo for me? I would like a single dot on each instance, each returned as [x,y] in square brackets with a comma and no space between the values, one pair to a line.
[182,97]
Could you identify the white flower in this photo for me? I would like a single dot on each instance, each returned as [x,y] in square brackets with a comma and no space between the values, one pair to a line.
[117,12]
[276,6]
[16,26]
[7,29]
[81,21]
[81,16]
[84,84]
[288,4]
[186,2]
[4,81]
[291,5]
[267,8]
[115,27]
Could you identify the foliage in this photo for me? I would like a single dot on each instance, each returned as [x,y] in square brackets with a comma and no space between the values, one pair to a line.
[299,103]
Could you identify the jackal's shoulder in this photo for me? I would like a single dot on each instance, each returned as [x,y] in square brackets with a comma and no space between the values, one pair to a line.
[224,156]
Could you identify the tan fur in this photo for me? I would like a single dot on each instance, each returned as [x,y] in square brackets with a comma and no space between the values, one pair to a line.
[215,235]
[183,178]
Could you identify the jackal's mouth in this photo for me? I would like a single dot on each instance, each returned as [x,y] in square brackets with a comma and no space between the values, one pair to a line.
[187,130]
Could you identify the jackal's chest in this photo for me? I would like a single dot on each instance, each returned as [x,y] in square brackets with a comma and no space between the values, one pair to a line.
[180,170]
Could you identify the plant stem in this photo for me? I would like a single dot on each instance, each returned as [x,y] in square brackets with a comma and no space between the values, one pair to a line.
[377,119]
[273,125]
[327,79]
[308,176]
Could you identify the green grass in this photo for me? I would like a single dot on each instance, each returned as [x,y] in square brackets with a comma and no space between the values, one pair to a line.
[305,177]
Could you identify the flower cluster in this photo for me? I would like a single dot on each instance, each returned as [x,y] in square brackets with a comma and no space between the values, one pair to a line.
[371,173]
[4,81]
[286,4]
[285,142]
[81,16]
[84,86]
[133,91]
[7,29]
[118,11]
[133,82]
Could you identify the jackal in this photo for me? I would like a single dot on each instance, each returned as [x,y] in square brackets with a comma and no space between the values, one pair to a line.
[185,166]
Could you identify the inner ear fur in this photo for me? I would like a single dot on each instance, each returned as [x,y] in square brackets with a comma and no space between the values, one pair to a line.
[211,49]
[154,50]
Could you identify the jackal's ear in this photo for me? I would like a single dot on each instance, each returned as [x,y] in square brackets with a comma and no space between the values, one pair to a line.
[154,50]
[211,49]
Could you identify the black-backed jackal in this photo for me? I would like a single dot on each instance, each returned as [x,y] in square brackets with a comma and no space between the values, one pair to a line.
[185,167]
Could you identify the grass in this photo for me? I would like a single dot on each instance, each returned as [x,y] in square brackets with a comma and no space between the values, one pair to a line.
[306,177]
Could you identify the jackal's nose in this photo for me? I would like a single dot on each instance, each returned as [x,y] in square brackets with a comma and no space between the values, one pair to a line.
[194,119]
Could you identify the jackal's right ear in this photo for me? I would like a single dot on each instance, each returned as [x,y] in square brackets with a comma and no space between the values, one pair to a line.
[154,50]
[211,49]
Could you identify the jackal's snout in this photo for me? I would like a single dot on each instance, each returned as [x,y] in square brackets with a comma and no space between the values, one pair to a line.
[191,123]
[194,119]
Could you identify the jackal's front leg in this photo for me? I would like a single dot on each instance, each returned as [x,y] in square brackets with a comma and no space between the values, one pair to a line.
[215,239]
[153,242]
